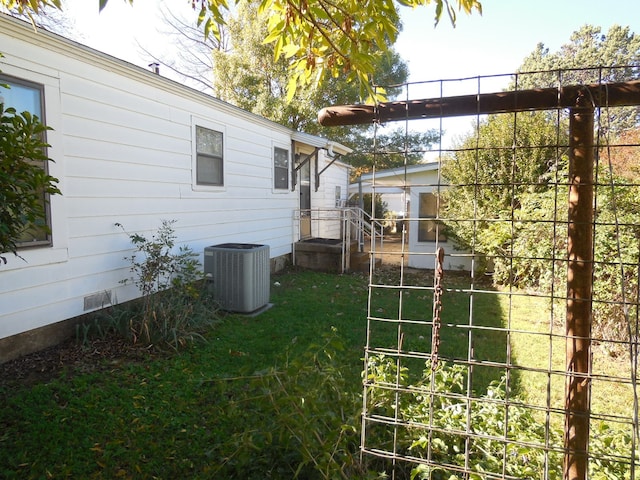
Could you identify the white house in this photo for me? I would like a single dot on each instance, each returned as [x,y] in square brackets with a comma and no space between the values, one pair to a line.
[418,186]
[134,148]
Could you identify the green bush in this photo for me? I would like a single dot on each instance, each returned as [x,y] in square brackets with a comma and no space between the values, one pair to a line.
[23,176]
[434,412]
[175,307]
[508,203]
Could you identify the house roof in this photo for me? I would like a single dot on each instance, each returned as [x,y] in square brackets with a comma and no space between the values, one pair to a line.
[60,44]
[321,142]
[392,180]
[397,174]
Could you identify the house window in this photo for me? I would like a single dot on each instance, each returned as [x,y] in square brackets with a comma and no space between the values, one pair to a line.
[280,168]
[209,157]
[27,96]
[338,195]
[428,230]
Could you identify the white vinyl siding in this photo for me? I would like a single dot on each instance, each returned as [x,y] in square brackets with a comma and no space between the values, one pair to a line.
[324,197]
[125,151]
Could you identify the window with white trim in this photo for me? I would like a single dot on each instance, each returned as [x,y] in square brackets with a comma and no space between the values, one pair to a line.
[28,96]
[209,157]
[280,168]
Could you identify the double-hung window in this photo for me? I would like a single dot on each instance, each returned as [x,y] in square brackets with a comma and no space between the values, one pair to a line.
[209,157]
[280,168]
[27,96]
[429,229]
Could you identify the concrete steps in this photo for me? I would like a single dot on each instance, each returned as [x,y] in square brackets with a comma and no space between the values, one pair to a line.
[359,262]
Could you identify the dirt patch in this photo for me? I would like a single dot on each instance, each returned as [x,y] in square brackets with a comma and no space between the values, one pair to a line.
[69,357]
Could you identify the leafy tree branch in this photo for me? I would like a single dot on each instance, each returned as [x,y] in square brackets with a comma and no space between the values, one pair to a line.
[318,37]
[24,179]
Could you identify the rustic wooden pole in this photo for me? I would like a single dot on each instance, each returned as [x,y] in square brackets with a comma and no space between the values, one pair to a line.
[579,289]
[612,94]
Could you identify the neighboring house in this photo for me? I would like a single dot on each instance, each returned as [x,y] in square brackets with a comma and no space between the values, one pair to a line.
[418,185]
[134,148]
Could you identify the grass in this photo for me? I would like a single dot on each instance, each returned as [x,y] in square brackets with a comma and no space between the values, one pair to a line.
[199,413]
[165,418]
[461,338]
[533,347]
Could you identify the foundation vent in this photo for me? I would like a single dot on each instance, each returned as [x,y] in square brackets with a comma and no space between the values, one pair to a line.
[97,300]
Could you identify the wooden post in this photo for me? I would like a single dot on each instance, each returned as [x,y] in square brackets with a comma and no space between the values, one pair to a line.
[579,289]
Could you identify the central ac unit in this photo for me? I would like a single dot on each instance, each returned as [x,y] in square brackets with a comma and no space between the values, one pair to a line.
[238,275]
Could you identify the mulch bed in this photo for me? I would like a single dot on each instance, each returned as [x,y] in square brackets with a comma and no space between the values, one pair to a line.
[71,358]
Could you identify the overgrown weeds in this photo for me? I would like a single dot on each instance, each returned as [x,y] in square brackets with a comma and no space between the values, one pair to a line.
[175,306]
[172,318]
[504,436]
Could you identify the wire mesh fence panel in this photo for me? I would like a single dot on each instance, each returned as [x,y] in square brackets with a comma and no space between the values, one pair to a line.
[474,361]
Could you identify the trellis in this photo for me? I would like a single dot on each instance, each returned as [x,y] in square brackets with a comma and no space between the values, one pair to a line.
[585,104]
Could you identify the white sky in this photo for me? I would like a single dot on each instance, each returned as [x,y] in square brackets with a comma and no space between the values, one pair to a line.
[507,31]
[492,44]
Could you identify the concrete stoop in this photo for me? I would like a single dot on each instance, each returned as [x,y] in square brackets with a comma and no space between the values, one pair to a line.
[360,262]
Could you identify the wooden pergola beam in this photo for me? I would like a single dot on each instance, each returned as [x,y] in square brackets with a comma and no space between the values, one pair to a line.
[599,95]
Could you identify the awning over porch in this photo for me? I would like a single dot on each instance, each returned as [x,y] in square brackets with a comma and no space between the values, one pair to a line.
[391,181]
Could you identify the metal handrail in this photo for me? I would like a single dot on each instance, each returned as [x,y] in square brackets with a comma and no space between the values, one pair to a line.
[350,217]
[364,224]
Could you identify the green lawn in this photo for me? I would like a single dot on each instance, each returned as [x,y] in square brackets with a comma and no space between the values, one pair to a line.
[265,397]
[170,417]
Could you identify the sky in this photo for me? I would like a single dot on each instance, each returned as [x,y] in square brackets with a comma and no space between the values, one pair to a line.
[507,31]
[492,44]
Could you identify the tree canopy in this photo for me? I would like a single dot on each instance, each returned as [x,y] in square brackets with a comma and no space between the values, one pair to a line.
[497,177]
[319,38]
[589,57]
[579,59]
[508,194]
[246,75]
[500,172]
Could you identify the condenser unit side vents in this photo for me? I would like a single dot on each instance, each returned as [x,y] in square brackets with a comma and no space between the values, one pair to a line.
[238,275]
